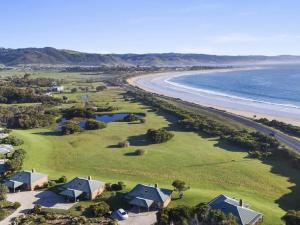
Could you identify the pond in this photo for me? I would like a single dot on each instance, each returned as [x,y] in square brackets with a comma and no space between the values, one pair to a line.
[106,118]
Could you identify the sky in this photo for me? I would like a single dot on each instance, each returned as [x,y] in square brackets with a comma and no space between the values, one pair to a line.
[223,27]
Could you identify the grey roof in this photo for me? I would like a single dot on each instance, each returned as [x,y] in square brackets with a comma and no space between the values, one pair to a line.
[71,193]
[4,148]
[245,215]
[149,192]
[27,177]
[13,184]
[83,184]
[141,202]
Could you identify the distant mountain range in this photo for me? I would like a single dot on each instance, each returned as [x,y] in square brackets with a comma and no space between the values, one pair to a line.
[52,56]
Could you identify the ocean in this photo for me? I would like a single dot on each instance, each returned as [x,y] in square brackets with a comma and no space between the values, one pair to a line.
[272,84]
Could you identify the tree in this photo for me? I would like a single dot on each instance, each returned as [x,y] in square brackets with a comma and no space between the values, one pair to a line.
[180,186]
[73,90]
[100,88]
[99,209]
[92,124]
[3,192]
[292,217]
[27,76]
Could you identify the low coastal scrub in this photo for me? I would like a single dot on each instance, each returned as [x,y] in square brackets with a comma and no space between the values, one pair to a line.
[130,118]
[284,127]
[159,136]
[81,112]
[187,215]
[257,144]
[12,140]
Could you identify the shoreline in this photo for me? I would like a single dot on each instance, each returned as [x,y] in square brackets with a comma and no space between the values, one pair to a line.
[159,83]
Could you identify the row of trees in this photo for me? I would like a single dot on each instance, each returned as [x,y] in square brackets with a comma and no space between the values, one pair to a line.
[284,127]
[11,95]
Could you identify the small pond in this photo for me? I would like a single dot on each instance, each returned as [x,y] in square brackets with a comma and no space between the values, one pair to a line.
[106,118]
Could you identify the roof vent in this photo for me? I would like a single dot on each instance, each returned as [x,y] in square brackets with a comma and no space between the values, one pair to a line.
[89,177]
[156,185]
[33,170]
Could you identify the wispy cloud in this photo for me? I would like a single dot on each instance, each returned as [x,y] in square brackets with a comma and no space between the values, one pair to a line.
[248,38]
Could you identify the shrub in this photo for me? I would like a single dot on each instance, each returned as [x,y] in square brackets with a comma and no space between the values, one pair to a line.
[51,183]
[73,90]
[3,192]
[62,179]
[100,209]
[16,205]
[142,120]
[124,144]
[94,125]
[37,209]
[2,214]
[159,136]
[70,127]
[12,140]
[130,118]
[140,152]
[100,88]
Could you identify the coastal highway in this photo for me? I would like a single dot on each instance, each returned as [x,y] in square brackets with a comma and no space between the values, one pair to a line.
[283,138]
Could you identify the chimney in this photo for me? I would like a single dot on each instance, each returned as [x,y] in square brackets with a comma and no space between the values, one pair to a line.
[33,170]
[89,177]
[241,203]
[156,185]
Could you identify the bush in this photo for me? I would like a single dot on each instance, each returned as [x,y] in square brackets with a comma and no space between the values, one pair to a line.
[130,118]
[3,192]
[94,125]
[73,90]
[159,136]
[2,214]
[62,179]
[16,205]
[142,120]
[37,209]
[100,88]
[140,152]
[12,140]
[124,144]
[51,183]
[99,209]
[70,127]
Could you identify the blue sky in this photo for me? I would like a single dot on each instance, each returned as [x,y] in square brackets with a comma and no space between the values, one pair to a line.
[234,27]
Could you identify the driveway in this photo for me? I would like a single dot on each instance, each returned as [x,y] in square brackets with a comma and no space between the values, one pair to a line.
[28,199]
[146,218]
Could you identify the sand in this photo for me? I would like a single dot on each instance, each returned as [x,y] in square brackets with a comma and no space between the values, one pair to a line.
[160,83]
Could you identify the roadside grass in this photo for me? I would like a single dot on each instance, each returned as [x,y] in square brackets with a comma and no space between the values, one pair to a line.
[209,167]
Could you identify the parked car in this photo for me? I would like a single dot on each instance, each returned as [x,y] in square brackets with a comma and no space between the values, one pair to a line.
[120,214]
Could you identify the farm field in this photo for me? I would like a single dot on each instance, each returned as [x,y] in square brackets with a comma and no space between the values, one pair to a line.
[209,167]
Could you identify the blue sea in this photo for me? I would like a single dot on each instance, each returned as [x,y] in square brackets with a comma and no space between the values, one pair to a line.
[276,84]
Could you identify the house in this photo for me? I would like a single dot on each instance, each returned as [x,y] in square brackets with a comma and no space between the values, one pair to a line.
[5,148]
[149,196]
[57,88]
[82,187]
[26,180]
[243,213]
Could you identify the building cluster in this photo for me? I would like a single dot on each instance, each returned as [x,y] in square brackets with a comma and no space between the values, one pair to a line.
[143,197]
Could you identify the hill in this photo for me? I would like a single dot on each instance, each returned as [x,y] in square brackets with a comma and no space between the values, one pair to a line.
[52,56]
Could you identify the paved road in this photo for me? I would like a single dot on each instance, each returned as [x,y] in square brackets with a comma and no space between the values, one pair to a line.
[147,218]
[28,199]
[283,138]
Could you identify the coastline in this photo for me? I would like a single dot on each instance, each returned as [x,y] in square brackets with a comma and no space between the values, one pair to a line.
[159,83]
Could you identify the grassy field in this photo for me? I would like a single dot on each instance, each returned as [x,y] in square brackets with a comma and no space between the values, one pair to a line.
[209,167]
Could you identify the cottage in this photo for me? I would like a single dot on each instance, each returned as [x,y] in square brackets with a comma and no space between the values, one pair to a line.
[26,180]
[82,187]
[243,213]
[149,197]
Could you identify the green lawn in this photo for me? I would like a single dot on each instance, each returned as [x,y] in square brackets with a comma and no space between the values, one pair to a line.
[208,167]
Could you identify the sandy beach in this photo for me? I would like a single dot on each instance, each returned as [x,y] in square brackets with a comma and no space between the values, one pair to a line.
[160,83]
